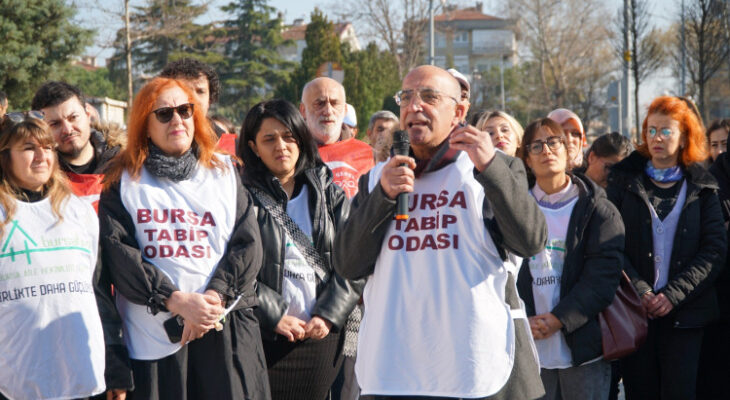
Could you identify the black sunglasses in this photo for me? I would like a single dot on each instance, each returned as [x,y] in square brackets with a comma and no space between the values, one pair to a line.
[164,114]
[15,118]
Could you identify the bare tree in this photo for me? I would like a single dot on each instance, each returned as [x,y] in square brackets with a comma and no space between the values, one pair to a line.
[705,43]
[646,46]
[171,19]
[566,39]
[399,25]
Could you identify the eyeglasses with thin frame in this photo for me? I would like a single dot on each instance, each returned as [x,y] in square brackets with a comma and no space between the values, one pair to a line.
[666,132]
[427,95]
[553,143]
[165,114]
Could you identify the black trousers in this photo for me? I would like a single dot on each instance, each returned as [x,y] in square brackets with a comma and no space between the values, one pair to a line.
[665,367]
[224,365]
[714,369]
[303,370]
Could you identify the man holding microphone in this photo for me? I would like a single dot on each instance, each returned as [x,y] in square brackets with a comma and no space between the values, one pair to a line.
[442,317]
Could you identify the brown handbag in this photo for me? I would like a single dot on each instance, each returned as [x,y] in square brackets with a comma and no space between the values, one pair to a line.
[623,322]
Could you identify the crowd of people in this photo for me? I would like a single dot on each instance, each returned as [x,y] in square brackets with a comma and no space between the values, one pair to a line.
[185,258]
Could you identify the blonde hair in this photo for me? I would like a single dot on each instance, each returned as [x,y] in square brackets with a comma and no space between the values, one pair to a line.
[56,188]
[514,126]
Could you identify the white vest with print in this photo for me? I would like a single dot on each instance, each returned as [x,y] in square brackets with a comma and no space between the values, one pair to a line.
[51,341]
[546,269]
[436,322]
[182,228]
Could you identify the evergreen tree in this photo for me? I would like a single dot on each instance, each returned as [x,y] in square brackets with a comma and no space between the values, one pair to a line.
[252,66]
[93,83]
[165,27]
[161,31]
[38,37]
[371,80]
[323,46]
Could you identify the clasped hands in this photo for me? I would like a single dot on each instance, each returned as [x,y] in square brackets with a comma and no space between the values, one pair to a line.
[656,305]
[294,328]
[200,312]
[544,325]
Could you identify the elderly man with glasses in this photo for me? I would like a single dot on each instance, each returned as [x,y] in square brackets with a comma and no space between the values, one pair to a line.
[442,315]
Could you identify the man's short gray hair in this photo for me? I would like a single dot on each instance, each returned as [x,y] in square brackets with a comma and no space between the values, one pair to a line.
[382,114]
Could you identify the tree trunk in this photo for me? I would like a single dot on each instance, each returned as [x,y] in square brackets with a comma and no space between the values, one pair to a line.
[128,53]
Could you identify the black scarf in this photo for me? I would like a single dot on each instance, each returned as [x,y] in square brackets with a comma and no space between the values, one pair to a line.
[174,168]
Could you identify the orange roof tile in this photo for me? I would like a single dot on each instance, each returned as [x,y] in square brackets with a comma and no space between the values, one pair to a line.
[463,15]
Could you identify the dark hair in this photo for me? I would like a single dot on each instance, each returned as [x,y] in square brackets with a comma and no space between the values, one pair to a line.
[190,68]
[53,93]
[545,123]
[230,127]
[611,144]
[718,124]
[475,117]
[3,97]
[286,113]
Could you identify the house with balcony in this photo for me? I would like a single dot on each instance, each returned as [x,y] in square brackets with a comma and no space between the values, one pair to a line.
[472,41]
[297,34]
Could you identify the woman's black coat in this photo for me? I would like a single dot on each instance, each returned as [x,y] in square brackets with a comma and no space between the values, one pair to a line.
[591,271]
[328,207]
[699,247]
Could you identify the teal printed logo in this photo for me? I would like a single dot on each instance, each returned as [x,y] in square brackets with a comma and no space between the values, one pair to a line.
[28,250]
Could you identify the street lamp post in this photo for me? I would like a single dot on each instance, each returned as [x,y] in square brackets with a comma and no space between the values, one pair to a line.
[431,58]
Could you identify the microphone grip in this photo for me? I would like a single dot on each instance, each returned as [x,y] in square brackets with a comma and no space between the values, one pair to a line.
[401,206]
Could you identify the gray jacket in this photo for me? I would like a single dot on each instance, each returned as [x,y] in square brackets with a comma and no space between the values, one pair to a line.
[511,215]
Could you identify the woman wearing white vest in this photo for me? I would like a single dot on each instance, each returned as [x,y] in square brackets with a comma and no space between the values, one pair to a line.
[575,277]
[183,249]
[675,247]
[303,303]
[51,340]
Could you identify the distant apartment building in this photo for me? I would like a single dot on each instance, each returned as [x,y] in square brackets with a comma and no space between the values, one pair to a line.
[297,32]
[472,41]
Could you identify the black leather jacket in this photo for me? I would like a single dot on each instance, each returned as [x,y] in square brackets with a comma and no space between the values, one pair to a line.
[328,207]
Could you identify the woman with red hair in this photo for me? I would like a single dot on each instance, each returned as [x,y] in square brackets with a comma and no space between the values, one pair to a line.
[182,246]
[675,246]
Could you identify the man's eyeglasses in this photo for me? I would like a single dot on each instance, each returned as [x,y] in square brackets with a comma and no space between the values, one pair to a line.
[427,95]
[553,143]
[164,114]
[15,118]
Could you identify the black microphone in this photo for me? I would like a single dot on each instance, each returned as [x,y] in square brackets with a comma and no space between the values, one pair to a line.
[401,144]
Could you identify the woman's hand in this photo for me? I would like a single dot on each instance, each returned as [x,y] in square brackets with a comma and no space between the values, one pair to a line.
[658,306]
[291,328]
[192,332]
[317,328]
[202,310]
[116,394]
[544,325]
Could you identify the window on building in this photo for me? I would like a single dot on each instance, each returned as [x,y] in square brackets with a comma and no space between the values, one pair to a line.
[461,39]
